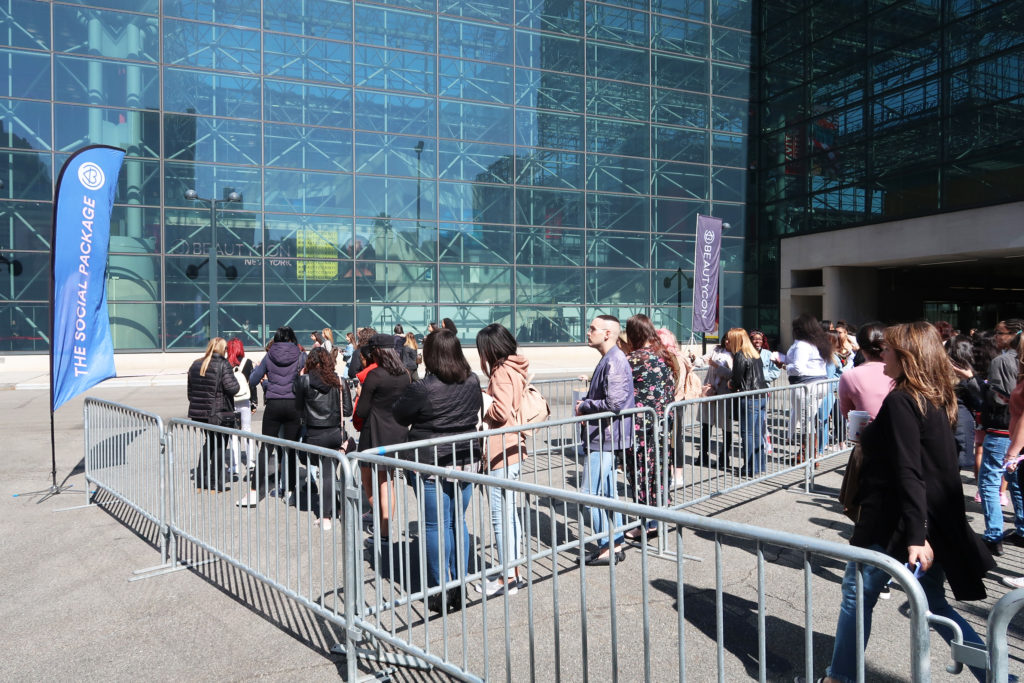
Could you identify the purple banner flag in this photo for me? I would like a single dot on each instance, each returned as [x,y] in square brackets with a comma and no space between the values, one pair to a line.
[706,260]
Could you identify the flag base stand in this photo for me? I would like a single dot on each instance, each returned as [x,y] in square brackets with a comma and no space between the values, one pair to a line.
[47,493]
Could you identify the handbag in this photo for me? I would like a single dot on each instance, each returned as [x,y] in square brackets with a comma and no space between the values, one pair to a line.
[850,487]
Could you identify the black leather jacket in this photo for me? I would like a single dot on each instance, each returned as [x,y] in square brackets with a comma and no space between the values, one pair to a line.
[747,373]
[432,408]
[320,404]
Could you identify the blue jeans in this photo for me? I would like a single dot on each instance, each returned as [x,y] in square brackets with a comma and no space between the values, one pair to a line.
[844,652]
[508,529]
[990,476]
[599,480]
[440,568]
[752,425]
[828,400]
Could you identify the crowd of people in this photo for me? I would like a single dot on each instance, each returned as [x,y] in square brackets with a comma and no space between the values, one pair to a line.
[936,402]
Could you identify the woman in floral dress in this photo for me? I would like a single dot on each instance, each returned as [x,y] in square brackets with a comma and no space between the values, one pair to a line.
[654,371]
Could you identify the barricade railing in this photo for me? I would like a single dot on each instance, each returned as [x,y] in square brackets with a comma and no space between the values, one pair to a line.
[717,444]
[998,660]
[124,456]
[385,594]
[429,593]
[272,526]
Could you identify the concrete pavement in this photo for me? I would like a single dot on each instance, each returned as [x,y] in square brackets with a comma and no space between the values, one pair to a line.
[72,614]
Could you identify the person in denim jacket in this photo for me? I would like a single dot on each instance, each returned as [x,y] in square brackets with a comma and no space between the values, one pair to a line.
[611,390]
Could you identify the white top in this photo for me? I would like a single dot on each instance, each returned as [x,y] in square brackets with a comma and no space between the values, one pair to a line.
[803,359]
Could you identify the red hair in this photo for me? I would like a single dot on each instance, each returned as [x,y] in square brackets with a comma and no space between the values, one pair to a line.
[236,352]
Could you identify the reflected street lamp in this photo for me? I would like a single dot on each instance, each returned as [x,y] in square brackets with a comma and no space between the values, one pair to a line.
[679,276]
[193,196]
[419,177]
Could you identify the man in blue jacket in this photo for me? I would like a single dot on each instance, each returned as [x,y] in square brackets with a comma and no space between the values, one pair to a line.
[611,390]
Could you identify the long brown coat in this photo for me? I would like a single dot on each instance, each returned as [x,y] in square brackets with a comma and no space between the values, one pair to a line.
[506,387]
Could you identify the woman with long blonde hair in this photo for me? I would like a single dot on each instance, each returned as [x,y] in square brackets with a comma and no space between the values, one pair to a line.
[748,375]
[910,497]
[211,399]
[410,353]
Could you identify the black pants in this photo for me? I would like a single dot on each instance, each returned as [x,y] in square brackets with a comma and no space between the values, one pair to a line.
[281,419]
[213,459]
[325,437]
[705,444]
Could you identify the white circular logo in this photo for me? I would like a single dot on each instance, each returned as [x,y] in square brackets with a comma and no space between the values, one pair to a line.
[91,175]
[709,236]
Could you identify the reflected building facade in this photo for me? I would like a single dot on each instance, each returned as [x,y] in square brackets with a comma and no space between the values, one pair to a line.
[532,163]
[897,128]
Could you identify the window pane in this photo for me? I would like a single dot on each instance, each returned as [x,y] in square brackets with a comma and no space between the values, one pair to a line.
[308,192]
[308,280]
[378,67]
[549,285]
[475,161]
[550,325]
[549,246]
[475,284]
[605,286]
[549,207]
[25,225]
[25,24]
[75,80]
[187,43]
[475,41]
[474,80]
[24,124]
[546,90]
[317,105]
[307,58]
[475,243]
[478,122]
[394,197]
[619,250]
[383,282]
[197,92]
[200,138]
[316,149]
[319,18]
[475,202]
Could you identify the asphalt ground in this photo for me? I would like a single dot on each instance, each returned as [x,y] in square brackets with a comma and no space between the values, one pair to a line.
[72,614]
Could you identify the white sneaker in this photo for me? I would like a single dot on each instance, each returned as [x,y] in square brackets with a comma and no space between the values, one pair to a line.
[886,593]
[324,523]
[1014,581]
[249,501]
[496,587]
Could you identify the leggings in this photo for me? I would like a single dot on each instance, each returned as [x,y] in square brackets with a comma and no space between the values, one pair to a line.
[281,418]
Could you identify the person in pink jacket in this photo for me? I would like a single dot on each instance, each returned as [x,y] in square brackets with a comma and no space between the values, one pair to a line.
[507,378]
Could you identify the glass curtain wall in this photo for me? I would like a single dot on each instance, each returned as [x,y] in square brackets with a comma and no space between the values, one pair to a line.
[531,163]
[877,110]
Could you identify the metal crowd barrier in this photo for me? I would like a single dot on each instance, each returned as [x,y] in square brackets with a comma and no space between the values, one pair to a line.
[390,589]
[448,619]
[718,444]
[998,660]
[124,456]
[280,538]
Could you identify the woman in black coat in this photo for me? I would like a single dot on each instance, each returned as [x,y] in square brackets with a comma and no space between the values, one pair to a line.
[211,399]
[447,401]
[911,498]
[383,385]
[318,397]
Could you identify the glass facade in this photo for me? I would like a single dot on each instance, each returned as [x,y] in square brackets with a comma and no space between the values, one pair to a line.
[532,163]
[878,110]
